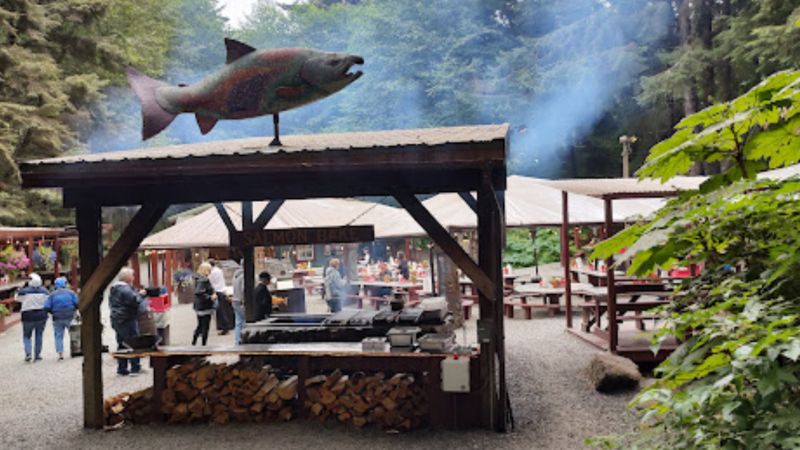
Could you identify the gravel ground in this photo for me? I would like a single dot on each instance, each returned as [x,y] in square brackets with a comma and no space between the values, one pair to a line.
[554,406]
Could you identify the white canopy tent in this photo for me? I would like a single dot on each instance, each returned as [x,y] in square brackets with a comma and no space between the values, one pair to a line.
[530,202]
[206,229]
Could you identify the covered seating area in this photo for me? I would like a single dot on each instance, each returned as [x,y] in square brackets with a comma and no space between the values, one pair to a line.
[613,304]
[399,163]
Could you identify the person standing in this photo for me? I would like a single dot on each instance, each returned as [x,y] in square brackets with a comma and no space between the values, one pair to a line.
[34,317]
[224,307]
[61,304]
[238,305]
[335,286]
[204,298]
[125,302]
[263,297]
[402,265]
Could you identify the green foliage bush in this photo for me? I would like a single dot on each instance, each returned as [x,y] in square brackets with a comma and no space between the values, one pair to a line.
[519,247]
[733,382]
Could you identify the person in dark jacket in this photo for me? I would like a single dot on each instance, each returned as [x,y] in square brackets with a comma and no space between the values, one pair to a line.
[61,304]
[204,298]
[124,302]
[34,317]
[402,265]
[263,297]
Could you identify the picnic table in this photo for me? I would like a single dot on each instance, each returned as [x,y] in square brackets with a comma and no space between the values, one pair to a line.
[600,278]
[519,298]
[596,299]
[309,359]
[464,283]
[372,289]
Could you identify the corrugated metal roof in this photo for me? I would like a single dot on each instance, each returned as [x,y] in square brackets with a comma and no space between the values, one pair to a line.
[601,187]
[298,143]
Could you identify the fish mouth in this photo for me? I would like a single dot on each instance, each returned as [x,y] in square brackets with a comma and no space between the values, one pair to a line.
[352,61]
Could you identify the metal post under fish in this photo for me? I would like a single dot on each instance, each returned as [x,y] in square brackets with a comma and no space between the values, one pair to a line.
[252,83]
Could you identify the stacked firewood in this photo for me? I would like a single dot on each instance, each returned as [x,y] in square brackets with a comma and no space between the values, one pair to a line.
[243,392]
[132,408]
[392,402]
[202,392]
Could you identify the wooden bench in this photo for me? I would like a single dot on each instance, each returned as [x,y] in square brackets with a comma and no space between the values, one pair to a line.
[521,301]
[593,310]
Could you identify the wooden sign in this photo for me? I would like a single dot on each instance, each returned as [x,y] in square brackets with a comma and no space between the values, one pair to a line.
[298,236]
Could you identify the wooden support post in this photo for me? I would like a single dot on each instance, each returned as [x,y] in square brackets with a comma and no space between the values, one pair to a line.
[30,254]
[490,239]
[565,255]
[432,268]
[248,254]
[137,270]
[168,258]
[57,262]
[449,245]
[153,268]
[611,292]
[73,273]
[90,238]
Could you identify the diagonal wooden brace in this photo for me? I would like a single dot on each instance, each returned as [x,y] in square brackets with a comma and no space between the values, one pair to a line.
[267,214]
[141,224]
[226,218]
[469,200]
[449,245]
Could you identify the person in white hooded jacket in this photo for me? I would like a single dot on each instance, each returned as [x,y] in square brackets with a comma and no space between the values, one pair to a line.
[34,317]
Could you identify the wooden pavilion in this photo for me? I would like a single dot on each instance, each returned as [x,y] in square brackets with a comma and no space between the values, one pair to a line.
[633,344]
[399,163]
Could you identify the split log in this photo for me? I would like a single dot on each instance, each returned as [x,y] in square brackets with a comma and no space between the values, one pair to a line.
[395,402]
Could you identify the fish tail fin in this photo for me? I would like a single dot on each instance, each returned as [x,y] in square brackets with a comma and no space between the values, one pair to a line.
[154,117]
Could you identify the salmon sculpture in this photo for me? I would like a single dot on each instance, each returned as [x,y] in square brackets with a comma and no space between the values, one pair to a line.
[252,83]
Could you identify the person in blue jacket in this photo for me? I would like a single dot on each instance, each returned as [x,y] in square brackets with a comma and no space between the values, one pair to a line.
[61,304]
[34,317]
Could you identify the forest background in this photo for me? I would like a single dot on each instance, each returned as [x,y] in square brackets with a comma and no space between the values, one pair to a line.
[570,76]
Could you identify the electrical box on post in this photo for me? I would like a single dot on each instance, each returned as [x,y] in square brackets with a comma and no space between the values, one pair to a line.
[455,374]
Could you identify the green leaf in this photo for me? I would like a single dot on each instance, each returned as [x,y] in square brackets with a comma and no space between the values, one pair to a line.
[793,352]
